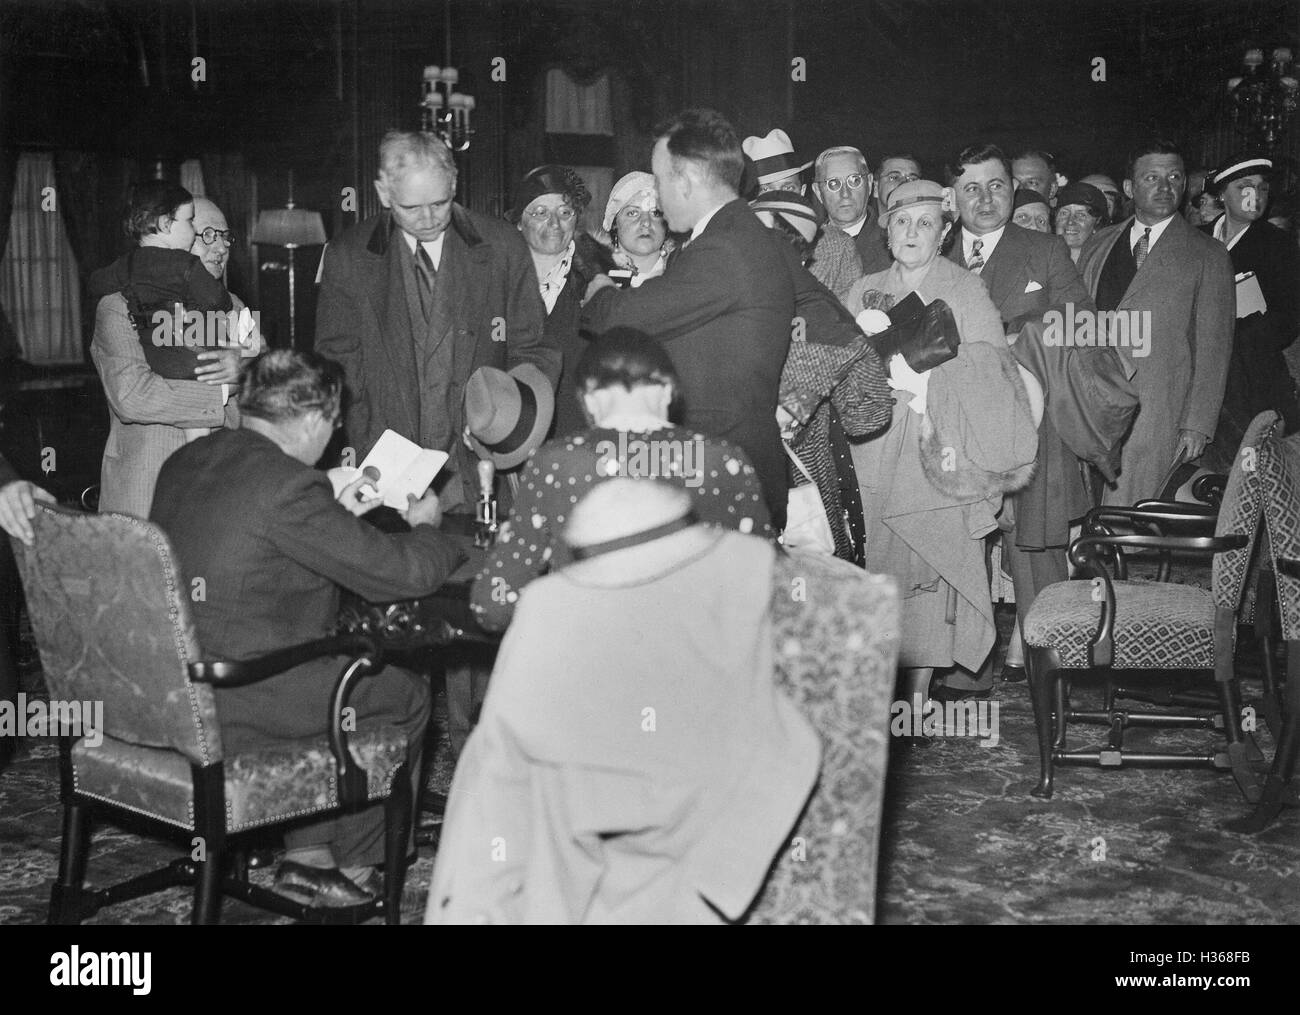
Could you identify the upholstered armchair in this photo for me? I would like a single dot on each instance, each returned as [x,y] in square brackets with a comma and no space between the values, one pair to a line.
[1279,472]
[112,622]
[836,630]
[1108,622]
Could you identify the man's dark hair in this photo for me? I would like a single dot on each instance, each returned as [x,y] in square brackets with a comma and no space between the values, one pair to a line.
[1048,159]
[283,384]
[1153,146]
[705,137]
[625,357]
[880,166]
[973,155]
[150,201]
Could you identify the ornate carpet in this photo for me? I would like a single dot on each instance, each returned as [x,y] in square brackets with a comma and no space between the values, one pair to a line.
[963,840]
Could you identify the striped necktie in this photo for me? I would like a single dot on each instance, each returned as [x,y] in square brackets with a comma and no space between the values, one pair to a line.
[1142,248]
[425,271]
[976,262]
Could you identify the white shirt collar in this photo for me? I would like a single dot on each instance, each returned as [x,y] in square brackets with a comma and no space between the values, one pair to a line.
[1135,233]
[553,281]
[432,247]
[1221,231]
[706,219]
[988,242]
[856,228]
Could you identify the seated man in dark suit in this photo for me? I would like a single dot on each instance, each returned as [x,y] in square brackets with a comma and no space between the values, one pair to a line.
[724,307]
[264,547]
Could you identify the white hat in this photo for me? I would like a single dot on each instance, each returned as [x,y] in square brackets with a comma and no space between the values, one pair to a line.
[633,187]
[773,156]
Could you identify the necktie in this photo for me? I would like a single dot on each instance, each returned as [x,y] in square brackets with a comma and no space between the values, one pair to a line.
[425,271]
[1141,248]
[976,263]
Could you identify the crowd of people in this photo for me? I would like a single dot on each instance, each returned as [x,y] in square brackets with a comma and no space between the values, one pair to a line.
[744,326]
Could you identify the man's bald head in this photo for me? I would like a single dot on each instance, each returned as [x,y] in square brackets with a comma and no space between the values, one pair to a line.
[215,254]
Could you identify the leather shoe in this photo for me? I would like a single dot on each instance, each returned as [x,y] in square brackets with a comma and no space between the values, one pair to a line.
[1013,674]
[320,887]
[943,693]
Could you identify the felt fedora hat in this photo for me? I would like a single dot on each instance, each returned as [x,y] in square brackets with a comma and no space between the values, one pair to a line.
[507,414]
[773,156]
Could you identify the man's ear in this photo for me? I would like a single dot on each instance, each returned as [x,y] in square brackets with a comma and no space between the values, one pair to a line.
[1128,189]
[870,185]
[381,188]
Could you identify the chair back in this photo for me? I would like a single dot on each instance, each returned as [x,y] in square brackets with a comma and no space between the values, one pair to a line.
[113,625]
[836,631]
[1279,464]
[1240,512]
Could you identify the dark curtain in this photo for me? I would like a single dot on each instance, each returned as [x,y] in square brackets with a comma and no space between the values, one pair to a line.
[231,187]
[8,167]
[92,195]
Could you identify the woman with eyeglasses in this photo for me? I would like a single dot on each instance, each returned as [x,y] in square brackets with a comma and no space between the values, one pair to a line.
[1080,210]
[636,227]
[547,208]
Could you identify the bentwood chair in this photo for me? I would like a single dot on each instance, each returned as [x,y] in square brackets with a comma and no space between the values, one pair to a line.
[1279,468]
[1140,628]
[836,635]
[113,625]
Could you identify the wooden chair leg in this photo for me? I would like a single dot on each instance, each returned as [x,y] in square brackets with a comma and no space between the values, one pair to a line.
[1042,667]
[207,890]
[1276,791]
[397,834]
[65,897]
[1062,710]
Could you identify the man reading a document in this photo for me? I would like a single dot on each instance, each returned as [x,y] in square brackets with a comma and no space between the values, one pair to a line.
[258,530]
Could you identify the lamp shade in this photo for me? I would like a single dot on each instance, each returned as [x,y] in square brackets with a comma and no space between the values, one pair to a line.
[289,227]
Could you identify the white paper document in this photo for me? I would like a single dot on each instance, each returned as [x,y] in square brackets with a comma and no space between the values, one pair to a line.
[1250,298]
[404,468]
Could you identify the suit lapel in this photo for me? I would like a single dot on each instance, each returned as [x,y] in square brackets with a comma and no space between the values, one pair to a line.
[386,290]
[1162,261]
[465,304]
[1096,260]
[1004,266]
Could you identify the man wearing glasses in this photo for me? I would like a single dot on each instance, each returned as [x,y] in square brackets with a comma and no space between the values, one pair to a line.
[843,183]
[213,240]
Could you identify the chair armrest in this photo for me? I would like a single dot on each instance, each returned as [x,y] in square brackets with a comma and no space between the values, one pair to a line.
[1178,507]
[1082,550]
[1087,553]
[1156,514]
[222,673]
[1210,487]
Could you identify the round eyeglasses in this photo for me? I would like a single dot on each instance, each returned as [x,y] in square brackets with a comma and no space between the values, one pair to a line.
[854,181]
[565,213]
[209,236]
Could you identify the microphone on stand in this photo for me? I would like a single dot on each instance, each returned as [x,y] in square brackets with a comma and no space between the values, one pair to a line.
[485,511]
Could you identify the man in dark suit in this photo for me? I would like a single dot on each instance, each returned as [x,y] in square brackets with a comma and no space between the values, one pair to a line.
[247,514]
[1258,377]
[416,298]
[1026,274]
[724,307]
[843,184]
[1175,285]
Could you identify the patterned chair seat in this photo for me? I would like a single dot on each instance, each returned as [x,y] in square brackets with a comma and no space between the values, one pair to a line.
[262,787]
[1157,625]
